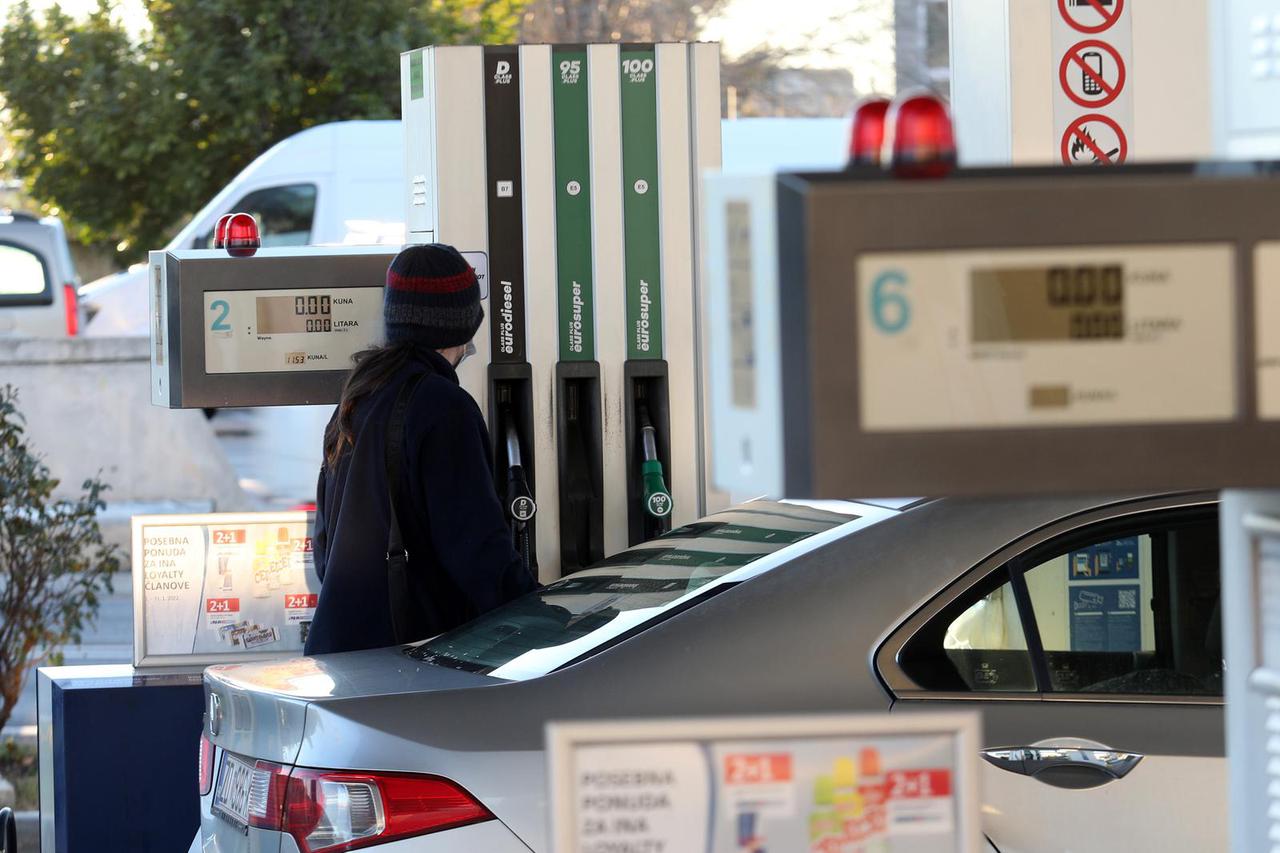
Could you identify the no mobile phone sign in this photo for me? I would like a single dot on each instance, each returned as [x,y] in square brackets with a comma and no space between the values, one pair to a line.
[1092,73]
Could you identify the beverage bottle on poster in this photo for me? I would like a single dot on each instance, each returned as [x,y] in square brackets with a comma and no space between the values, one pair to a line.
[261,567]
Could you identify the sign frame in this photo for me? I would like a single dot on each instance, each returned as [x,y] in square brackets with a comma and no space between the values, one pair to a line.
[562,738]
[142,657]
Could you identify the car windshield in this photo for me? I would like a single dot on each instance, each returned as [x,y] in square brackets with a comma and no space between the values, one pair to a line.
[576,614]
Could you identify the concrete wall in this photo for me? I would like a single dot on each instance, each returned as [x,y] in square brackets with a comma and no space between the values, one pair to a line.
[88,410]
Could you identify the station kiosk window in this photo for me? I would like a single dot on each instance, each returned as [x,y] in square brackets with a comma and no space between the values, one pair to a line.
[1129,608]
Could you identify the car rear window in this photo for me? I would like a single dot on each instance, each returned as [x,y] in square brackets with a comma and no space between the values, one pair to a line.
[577,614]
[23,277]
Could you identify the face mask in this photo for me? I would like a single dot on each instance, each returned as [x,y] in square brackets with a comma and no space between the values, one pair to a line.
[469,351]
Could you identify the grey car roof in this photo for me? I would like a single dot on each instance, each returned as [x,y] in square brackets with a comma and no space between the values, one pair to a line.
[800,638]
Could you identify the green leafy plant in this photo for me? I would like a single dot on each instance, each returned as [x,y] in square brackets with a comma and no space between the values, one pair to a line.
[54,563]
[126,137]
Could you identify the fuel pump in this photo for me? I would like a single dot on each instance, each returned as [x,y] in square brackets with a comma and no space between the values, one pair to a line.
[510,375]
[646,388]
[577,374]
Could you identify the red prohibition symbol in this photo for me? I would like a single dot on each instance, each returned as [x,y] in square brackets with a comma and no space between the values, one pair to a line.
[1094,80]
[1108,17]
[1078,138]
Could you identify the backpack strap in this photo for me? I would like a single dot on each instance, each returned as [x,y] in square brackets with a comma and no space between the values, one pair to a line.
[400,593]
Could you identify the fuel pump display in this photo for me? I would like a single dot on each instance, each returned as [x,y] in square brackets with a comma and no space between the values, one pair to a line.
[1076,335]
[274,328]
[1081,329]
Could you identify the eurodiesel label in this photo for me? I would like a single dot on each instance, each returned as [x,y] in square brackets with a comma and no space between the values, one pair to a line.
[575,285]
[640,205]
[504,189]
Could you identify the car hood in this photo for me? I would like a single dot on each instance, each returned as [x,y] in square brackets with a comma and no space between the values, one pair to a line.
[258,709]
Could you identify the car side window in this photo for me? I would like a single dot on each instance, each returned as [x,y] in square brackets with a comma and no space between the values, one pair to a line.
[976,644]
[285,215]
[1133,614]
[23,277]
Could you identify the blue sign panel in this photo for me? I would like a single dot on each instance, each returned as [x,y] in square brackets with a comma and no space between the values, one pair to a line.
[1105,618]
[1113,560]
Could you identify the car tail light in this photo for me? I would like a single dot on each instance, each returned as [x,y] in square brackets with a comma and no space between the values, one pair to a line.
[220,231]
[327,811]
[206,764]
[71,302]
[242,236]
[866,135]
[919,140]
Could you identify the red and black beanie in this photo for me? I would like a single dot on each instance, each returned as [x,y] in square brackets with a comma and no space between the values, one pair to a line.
[432,297]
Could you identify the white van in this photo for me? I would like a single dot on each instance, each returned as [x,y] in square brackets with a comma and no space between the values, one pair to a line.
[343,183]
[333,183]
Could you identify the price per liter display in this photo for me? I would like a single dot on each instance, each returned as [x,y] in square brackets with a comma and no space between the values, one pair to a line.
[1052,303]
[283,315]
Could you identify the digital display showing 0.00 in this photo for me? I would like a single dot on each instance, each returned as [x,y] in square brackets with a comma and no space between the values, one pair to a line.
[283,315]
[1052,303]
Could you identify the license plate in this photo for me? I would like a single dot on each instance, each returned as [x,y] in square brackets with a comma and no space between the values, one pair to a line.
[231,796]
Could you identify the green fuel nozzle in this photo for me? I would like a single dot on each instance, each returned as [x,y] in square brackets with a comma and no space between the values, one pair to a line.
[657,499]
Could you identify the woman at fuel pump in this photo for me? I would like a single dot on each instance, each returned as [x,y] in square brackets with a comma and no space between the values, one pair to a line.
[410,539]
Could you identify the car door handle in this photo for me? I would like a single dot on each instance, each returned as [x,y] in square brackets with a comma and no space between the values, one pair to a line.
[1074,765]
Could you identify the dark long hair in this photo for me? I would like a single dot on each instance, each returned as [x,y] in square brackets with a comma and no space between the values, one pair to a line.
[373,368]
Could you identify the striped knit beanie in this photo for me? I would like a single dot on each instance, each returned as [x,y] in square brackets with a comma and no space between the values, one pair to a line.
[432,298]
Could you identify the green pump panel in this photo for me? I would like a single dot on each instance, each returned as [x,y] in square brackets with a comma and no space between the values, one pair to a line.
[640,203]
[573,204]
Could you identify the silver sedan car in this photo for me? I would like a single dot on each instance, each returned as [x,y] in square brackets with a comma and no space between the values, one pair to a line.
[1086,630]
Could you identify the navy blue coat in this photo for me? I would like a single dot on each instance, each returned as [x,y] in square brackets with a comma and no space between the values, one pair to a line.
[461,557]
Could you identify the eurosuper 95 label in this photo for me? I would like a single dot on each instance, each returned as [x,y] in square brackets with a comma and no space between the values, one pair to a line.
[1062,336]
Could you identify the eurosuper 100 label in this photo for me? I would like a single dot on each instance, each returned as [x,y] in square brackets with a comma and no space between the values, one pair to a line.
[1063,336]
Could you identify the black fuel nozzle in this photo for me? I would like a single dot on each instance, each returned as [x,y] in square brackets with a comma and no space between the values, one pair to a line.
[657,498]
[520,501]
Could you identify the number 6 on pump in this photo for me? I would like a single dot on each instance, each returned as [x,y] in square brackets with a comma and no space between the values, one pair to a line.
[890,310]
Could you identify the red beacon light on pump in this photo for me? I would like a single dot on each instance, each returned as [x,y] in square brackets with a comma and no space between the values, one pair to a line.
[242,235]
[220,231]
[919,140]
[866,135]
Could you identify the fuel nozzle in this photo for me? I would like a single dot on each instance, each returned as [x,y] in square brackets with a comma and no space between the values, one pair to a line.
[519,496]
[520,503]
[657,499]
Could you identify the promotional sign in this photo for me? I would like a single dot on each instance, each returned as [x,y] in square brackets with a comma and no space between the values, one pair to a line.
[214,588]
[897,783]
[1092,43]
